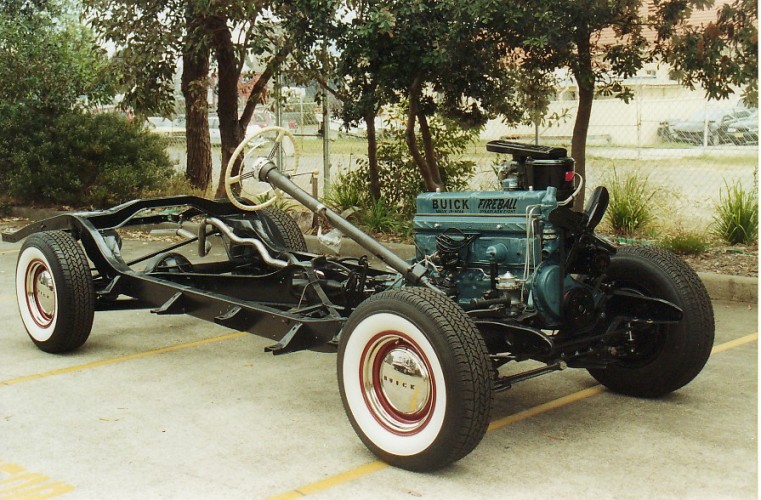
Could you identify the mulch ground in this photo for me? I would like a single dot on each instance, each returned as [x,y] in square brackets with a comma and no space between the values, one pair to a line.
[735,260]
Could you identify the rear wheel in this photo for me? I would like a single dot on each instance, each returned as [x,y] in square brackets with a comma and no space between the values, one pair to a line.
[415,378]
[55,292]
[284,229]
[660,358]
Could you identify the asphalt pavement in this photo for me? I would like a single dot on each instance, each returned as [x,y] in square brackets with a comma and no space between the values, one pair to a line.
[173,407]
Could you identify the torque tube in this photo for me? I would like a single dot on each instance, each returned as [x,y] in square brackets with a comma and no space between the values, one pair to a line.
[413,274]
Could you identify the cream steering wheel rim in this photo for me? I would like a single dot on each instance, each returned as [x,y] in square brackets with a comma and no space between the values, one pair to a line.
[231,180]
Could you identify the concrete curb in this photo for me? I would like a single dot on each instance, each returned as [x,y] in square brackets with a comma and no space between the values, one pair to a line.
[719,286]
[734,288]
[33,214]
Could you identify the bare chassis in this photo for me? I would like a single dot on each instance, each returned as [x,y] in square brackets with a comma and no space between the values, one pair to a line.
[252,303]
[398,331]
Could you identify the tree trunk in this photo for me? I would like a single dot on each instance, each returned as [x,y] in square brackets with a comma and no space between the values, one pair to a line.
[420,161]
[430,155]
[372,157]
[585,79]
[195,84]
[232,129]
[228,68]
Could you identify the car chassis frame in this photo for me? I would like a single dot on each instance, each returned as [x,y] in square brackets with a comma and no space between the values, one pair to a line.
[385,324]
[252,303]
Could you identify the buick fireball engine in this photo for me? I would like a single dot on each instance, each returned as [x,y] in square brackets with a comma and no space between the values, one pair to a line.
[500,249]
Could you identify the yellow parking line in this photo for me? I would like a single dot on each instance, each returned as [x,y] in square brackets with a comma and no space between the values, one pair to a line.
[18,483]
[120,359]
[735,343]
[6,252]
[332,481]
[369,468]
[545,407]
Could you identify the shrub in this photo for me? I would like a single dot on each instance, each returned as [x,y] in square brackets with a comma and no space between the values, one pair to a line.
[736,218]
[176,185]
[400,178]
[282,202]
[630,209]
[347,192]
[382,218]
[78,159]
[685,243]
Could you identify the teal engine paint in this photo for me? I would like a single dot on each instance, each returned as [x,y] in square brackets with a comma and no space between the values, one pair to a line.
[492,249]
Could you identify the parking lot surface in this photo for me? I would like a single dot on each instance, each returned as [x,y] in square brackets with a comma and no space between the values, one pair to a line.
[170,406]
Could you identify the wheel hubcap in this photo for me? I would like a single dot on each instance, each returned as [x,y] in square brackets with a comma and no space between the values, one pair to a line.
[397,382]
[40,293]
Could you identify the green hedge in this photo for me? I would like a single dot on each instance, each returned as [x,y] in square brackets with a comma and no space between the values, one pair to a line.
[78,159]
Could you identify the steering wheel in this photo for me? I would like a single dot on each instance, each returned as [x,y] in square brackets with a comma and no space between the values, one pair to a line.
[261,147]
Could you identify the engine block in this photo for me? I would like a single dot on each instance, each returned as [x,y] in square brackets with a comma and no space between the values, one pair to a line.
[499,248]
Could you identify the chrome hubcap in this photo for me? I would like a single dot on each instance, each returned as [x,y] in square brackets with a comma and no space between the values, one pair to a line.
[404,380]
[40,293]
[397,383]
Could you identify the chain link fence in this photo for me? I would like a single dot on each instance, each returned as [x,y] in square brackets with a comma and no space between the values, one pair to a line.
[685,148]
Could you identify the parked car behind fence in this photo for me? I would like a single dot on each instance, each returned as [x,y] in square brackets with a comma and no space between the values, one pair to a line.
[707,127]
[743,130]
[175,128]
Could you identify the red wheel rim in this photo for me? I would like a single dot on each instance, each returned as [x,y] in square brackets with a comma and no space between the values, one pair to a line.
[397,383]
[39,290]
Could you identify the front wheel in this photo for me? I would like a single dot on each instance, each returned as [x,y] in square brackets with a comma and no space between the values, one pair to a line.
[659,359]
[415,378]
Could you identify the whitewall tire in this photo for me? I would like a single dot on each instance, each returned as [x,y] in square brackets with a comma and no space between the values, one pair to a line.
[54,291]
[415,378]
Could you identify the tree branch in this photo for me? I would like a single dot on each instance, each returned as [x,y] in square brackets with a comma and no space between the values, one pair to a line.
[254,97]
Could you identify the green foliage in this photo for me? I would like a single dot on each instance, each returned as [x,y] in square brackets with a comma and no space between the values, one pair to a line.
[721,56]
[685,242]
[380,217]
[151,36]
[176,185]
[281,203]
[49,62]
[347,192]
[400,178]
[445,54]
[565,35]
[78,159]
[148,45]
[630,210]
[399,175]
[736,218]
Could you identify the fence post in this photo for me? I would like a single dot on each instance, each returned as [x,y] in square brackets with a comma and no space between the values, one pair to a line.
[639,98]
[279,111]
[325,139]
[315,191]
